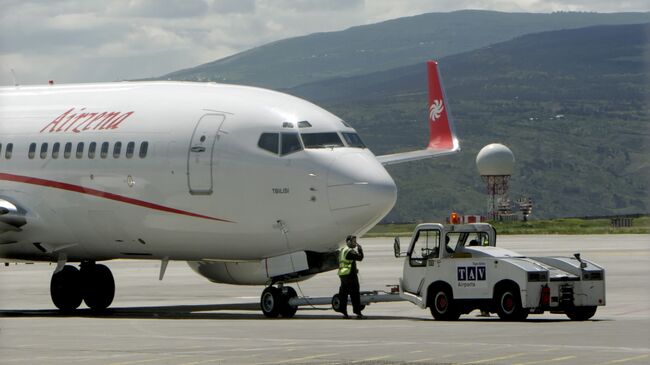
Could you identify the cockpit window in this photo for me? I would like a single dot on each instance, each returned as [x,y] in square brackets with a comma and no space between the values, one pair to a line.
[321,140]
[304,124]
[290,143]
[353,140]
[269,142]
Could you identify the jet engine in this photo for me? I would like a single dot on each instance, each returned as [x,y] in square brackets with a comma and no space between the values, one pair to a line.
[296,266]
[12,217]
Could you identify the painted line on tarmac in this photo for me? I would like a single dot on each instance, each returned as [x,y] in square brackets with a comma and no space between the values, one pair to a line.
[531,345]
[620,361]
[299,359]
[422,360]
[67,358]
[202,362]
[369,359]
[496,358]
[147,360]
[545,361]
[429,359]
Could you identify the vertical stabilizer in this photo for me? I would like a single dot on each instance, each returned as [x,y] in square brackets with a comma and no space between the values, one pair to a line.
[441,130]
[442,137]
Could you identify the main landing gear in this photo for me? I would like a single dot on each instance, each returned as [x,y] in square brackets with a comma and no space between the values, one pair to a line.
[93,283]
[275,301]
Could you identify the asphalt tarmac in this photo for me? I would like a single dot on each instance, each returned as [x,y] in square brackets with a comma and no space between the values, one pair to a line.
[185,319]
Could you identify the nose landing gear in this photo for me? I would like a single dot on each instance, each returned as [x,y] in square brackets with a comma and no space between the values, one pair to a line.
[275,301]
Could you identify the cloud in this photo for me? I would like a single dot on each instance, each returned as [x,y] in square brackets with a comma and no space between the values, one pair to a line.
[98,40]
[306,6]
[232,6]
[158,8]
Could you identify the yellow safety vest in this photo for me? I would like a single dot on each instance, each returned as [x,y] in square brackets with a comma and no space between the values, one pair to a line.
[345,265]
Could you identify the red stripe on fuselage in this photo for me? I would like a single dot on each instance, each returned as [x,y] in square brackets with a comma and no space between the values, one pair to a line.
[102,194]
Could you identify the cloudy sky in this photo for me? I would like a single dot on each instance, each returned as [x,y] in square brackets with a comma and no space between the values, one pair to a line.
[108,40]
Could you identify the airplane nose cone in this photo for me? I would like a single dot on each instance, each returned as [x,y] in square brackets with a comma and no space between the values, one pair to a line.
[360,191]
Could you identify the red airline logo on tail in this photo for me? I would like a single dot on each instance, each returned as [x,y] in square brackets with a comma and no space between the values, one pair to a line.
[440,137]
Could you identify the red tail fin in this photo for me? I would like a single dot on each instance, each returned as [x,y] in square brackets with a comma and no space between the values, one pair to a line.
[441,135]
[442,138]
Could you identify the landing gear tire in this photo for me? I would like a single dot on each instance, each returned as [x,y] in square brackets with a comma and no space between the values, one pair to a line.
[288,311]
[99,286]
[508,304]
[66,288]
[336,303]
[581,313]
[442,305]
[271,302]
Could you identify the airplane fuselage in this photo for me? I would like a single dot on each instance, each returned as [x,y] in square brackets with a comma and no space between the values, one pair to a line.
[181,171]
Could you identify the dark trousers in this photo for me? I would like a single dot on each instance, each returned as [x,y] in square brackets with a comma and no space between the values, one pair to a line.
[350,285]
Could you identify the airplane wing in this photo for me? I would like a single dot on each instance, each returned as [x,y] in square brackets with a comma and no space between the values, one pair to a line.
[396,158]
[442,136]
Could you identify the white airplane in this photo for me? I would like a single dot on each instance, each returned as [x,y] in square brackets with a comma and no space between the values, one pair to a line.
[249,186]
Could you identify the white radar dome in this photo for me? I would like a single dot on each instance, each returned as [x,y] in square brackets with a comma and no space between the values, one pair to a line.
[494,160]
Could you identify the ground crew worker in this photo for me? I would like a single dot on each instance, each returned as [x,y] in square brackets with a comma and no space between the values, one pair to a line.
[348,257]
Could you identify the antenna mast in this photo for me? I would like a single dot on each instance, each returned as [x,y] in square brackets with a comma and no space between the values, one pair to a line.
[13,74]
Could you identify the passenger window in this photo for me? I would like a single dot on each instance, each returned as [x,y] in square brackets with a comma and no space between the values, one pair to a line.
[43,151]
[8,150]
[290,143]
[104,151]
[426,246]
[80,150]
[353,140]
[32,150]
[321,140]
[55,150]
[269,142]
[144,146]
[130,147]
[117,149]
[91,149]
[67,150]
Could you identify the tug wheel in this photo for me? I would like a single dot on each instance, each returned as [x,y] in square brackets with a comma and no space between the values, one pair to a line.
[336,303]
[581,313]
[508,303]
[442,305]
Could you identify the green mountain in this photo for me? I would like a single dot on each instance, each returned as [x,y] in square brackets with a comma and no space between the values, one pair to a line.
[573,105]
[384,46]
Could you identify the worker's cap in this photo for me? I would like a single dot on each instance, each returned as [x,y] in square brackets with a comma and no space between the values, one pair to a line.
[350,238]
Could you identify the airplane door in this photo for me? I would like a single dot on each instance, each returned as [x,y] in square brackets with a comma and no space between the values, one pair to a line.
[201,154]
